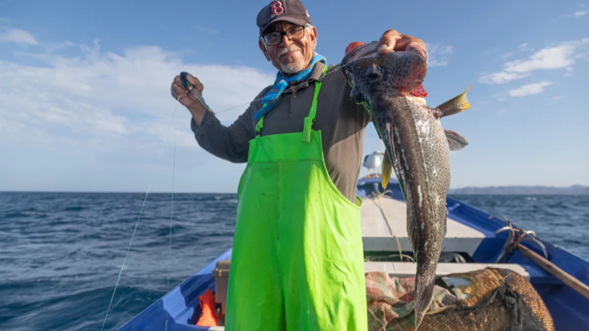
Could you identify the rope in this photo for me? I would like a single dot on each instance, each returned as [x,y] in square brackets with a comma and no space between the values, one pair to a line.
[516,236]
[379,205]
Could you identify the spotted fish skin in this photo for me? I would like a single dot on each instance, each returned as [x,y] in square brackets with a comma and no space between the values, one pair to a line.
[416,144]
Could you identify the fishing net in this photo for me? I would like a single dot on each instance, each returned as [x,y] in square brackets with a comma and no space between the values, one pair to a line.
[488,299]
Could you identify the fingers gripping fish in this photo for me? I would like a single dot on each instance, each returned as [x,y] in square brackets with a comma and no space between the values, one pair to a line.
[417,147]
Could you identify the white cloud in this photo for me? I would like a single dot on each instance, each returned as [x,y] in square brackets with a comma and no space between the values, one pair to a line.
[17,36]
[547,58]
[109,97]
[525,47]
[438,55]
[561,56]
[97,120]
[530,89]
[500,77]
[580,13]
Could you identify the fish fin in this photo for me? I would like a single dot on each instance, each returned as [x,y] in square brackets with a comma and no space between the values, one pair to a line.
[387,169]
[453,106]
[455,140]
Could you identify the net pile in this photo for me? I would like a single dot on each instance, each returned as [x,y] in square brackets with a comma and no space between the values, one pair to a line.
[488,299]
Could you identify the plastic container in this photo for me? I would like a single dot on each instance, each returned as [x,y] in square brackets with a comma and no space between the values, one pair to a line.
[221,274]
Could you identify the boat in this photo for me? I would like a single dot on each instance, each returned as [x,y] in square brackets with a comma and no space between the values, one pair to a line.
[475,240]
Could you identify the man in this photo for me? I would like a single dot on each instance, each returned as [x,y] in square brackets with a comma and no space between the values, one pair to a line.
[297,260]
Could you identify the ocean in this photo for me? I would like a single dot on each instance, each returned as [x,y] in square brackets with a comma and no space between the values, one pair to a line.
[61,253]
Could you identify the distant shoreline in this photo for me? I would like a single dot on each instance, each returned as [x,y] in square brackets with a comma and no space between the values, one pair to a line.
[469,190]
[522,190]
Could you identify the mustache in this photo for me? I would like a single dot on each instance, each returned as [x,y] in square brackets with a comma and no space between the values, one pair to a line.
[288,49]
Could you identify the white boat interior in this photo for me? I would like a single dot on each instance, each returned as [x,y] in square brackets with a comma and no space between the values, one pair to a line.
[383,219]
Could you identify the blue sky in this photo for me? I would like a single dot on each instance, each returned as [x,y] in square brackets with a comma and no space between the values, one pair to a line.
[85,104]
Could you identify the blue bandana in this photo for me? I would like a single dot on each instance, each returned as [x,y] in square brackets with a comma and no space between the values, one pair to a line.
[281,83]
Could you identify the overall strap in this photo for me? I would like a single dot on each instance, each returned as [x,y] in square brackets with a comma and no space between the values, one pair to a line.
[309,120]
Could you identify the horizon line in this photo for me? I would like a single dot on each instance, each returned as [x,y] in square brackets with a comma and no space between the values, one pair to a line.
[194,192]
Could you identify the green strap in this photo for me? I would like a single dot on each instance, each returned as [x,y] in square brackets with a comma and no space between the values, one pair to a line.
[260,125]
[310,119]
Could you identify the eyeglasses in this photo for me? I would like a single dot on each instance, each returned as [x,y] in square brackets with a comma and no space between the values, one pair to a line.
[275,37]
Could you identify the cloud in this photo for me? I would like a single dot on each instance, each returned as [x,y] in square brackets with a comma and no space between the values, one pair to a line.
[117,99]
[17,36]
[525,47]
[529,89]
[577,14]
[561,56]
[438,55]
[501,77]
[548,58]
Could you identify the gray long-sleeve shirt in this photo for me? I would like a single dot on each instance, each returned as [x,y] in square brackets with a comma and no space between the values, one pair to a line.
[342,124]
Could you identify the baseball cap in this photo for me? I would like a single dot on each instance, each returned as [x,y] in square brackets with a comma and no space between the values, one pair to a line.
[291,11]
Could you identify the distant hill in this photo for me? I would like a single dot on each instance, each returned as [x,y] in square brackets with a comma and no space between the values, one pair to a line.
[523,190]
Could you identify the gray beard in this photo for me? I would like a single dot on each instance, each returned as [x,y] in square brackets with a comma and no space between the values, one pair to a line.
[292,68]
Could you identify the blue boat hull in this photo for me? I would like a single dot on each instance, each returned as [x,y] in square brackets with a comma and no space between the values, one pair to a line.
[179,309]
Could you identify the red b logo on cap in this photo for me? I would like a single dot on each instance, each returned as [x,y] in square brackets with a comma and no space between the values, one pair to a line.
[277,8]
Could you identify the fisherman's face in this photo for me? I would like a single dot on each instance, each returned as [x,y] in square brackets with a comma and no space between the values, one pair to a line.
[290,56]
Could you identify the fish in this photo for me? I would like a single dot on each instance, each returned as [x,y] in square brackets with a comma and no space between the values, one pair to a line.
[418,148]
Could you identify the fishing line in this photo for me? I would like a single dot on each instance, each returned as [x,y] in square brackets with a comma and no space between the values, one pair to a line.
[186,84]
[173,120]
[336,68]
[140,213]
[172,210]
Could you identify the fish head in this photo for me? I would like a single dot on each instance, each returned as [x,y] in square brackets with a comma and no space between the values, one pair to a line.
[396,73]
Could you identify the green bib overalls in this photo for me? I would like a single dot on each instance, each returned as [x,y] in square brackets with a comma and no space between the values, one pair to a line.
[297,261]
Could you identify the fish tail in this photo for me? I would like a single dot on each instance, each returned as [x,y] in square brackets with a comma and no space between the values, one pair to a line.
[454,106]
[424,289]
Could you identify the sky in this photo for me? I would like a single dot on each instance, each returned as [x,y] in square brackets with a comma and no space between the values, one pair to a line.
[85,99]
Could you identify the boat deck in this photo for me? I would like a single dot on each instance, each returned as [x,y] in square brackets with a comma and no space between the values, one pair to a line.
[384,218]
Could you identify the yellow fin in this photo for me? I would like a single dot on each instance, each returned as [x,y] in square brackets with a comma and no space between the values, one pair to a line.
[455,105]
[387,169]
